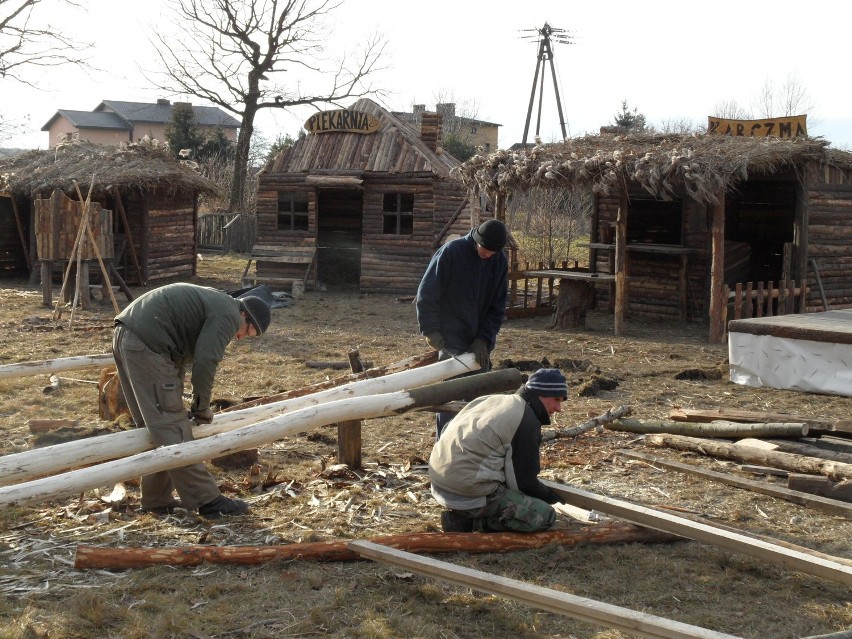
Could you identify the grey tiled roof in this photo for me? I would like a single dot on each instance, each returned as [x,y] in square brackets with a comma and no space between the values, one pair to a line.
[122,116]
[161,113]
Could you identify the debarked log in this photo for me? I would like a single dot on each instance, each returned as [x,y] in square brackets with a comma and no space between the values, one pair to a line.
[720,428]
[257,434]
[49,460]
[604,533]
[55,365]
[786,461]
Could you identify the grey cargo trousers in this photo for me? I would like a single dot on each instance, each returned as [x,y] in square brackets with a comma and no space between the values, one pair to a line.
[153,387]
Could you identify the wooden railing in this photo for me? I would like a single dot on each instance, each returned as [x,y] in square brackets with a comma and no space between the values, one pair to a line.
[763,299]
[530,296]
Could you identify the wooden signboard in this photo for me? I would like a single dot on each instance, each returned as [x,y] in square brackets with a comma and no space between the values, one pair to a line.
[342,120]
[791,126]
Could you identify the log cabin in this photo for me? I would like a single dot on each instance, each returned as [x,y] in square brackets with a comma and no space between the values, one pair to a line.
[363,200]
[684,221]
[151,199]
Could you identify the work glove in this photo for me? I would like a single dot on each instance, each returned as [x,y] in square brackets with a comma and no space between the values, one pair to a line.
[435,340]
[202,416]
[480,349]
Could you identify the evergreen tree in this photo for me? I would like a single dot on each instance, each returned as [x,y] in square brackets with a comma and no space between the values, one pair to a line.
[182,132]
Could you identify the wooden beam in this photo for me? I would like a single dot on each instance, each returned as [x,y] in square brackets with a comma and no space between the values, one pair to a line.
[597,612]
[349,432]
[739,542]
[717,271]
[833,506]
[621,264]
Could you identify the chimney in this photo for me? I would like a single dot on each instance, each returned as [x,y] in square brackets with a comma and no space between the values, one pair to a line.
[431,130]
[162,102]
[446,109]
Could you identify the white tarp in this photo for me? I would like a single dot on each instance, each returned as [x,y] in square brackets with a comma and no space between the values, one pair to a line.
[790,364]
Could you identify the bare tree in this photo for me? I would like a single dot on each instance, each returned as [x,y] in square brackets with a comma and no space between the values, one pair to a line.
[731,110]
[547,222]
[24,42]
[232,53]
[791,98]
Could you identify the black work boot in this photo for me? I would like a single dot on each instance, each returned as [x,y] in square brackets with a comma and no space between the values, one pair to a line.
[452,521]
[223,507]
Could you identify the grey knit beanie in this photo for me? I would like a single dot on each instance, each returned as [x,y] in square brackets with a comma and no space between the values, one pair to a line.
[257,312]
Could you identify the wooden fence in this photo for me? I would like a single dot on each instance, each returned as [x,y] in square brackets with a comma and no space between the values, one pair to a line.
[228,232]
[765,300]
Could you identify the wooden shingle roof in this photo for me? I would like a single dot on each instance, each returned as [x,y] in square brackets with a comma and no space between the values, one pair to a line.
[395,148]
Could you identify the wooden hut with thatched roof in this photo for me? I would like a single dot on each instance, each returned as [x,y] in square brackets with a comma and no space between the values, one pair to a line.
[151,198]
[364,199]
[681,220]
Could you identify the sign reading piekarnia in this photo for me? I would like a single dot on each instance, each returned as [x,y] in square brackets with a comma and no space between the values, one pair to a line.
[790,126]
[342,120]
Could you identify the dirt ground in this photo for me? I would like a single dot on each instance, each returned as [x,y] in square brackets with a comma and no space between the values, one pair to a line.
[299,494]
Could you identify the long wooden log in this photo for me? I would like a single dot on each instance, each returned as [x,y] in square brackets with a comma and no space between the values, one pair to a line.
[735,415]
[721,429]
[605,533]
[25,369]
[594,422]
[801,448]
[255,435]
[49,460]
[820,486]
[752,455]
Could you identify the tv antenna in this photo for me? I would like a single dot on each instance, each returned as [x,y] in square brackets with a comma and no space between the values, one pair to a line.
[545,36]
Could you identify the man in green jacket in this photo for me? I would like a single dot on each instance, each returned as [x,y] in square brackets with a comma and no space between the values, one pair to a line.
[484,468]
[157,337]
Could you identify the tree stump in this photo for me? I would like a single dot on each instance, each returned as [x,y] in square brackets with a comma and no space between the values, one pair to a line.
[111,401]
[574,299]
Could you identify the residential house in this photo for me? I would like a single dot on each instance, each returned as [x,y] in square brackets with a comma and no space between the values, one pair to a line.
[113,121]
[479,133]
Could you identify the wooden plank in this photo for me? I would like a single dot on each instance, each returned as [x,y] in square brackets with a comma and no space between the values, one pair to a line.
[736,541]
[588,610]
[833,506]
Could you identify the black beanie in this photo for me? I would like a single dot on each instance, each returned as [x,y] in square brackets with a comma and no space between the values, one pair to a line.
[491,235]
[257,312]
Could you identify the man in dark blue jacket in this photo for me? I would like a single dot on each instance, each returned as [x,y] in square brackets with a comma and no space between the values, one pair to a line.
[461,300]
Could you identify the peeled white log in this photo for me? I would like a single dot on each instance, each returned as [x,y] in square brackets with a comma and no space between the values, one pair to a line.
[55,365]
[253,436]
[49,460]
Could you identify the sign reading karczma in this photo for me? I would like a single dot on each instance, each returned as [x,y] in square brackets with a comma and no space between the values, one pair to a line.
[343,120]
[790,126]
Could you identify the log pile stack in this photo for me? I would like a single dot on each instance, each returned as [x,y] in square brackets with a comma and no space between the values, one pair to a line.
[813,456]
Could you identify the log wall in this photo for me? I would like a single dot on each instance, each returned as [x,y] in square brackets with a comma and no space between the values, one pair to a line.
[389,263]
[171,242]
[829,239]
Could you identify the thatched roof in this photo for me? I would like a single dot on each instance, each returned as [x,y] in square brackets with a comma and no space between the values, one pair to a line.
[700,166]
[121,167]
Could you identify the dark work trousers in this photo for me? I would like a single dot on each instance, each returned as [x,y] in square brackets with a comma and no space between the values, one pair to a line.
[153,387]
[442,418]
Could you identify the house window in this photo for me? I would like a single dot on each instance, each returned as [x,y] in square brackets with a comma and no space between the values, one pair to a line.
[292,211]
[655,222]
[398,214]
[473,129]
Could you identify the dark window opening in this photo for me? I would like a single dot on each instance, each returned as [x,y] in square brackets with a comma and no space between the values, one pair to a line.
[398,214]
[292,211]
[655,222]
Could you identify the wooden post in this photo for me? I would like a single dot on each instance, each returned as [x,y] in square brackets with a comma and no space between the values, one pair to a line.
[349,432]
[129,237]
[46,282]
[717,270]
[620,264]
[682,283]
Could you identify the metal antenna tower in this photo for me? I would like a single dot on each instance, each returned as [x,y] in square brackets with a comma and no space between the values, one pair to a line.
[545,36]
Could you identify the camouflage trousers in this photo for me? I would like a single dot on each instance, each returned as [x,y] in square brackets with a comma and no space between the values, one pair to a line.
[508,510]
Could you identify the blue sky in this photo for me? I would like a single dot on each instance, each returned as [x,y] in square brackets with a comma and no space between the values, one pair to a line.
[670,60]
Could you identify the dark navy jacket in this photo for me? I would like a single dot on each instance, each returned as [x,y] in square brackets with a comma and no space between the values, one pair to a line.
[463,296]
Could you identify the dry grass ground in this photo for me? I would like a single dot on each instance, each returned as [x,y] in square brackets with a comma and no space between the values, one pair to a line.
[305,499]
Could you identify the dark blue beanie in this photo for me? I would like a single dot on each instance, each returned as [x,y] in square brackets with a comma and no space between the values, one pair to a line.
[548,382]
